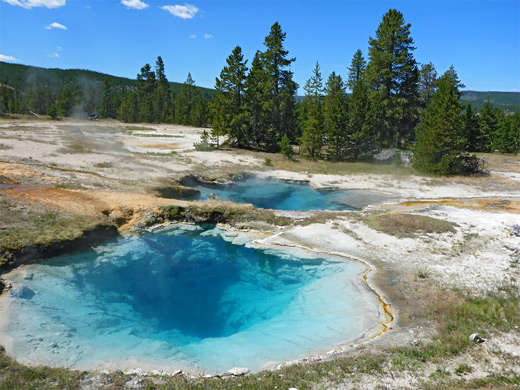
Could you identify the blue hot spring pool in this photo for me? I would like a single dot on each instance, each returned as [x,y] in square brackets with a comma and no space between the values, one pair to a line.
[279,195]
[185,297]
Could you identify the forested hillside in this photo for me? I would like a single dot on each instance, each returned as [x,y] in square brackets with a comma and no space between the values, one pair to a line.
[76,92]
[509,101]
[21,77]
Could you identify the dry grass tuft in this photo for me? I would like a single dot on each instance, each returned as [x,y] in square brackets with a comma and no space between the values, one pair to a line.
[339,168]
[407,225]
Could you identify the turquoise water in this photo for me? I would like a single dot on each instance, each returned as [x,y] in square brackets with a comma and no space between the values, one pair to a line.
[279,195]
[184,299]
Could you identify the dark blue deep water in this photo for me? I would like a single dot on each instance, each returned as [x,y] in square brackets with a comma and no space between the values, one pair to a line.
[184,297]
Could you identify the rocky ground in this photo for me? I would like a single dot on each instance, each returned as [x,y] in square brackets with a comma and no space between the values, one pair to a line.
[457,234]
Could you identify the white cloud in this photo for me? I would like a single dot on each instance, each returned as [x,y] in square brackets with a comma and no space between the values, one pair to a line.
[134,4]
[37,3]
[192,37]
[56,25]
[208,36]
[187,11]
[59,48]
[8,58]
[53,55]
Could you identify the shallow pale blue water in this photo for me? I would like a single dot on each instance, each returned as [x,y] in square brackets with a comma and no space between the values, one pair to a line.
[276,194]
[184,299]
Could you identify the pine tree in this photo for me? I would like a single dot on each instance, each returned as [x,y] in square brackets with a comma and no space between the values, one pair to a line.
[146,84]
[65,102]
[392,71]
[7,100]
[365,117]
[470,128]
[198,113]
[440,140]
[161,93]
[356,69]
[286,147]
[184,101]
[254,102]
[227,103]
[507,135]
[52,111]
[487,123]
[278,89]
[312,122]
[107,107]
[335,117]
[427,83]
[129,109]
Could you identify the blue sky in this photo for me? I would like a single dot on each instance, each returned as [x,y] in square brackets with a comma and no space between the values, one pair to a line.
[480,38]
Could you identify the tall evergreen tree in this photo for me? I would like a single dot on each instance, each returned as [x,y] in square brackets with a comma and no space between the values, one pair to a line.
[335,117]
[470,128]
[507,134]
[356,69]
[254,101]
[440,140]
[129,109]
[366,116]
[65,102]
[487,124]
[427,83]
[392,71]
[185,101]
[199,111]
[107,105]
[278,89]
[451,75]
[312,121]
[161,93]
[146,84]
[7,100]
[227,103]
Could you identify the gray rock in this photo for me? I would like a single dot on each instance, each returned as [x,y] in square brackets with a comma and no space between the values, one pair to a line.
[178,374]
[476,338]
[239,371]
[136,371]
[386,155]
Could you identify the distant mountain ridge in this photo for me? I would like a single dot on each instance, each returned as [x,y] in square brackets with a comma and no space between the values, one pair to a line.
[20,77]
[509,101]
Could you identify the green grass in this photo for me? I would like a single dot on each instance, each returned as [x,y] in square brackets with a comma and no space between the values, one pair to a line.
[45,229]
[228,212]
[338,168]
[407,225]
[104,165]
